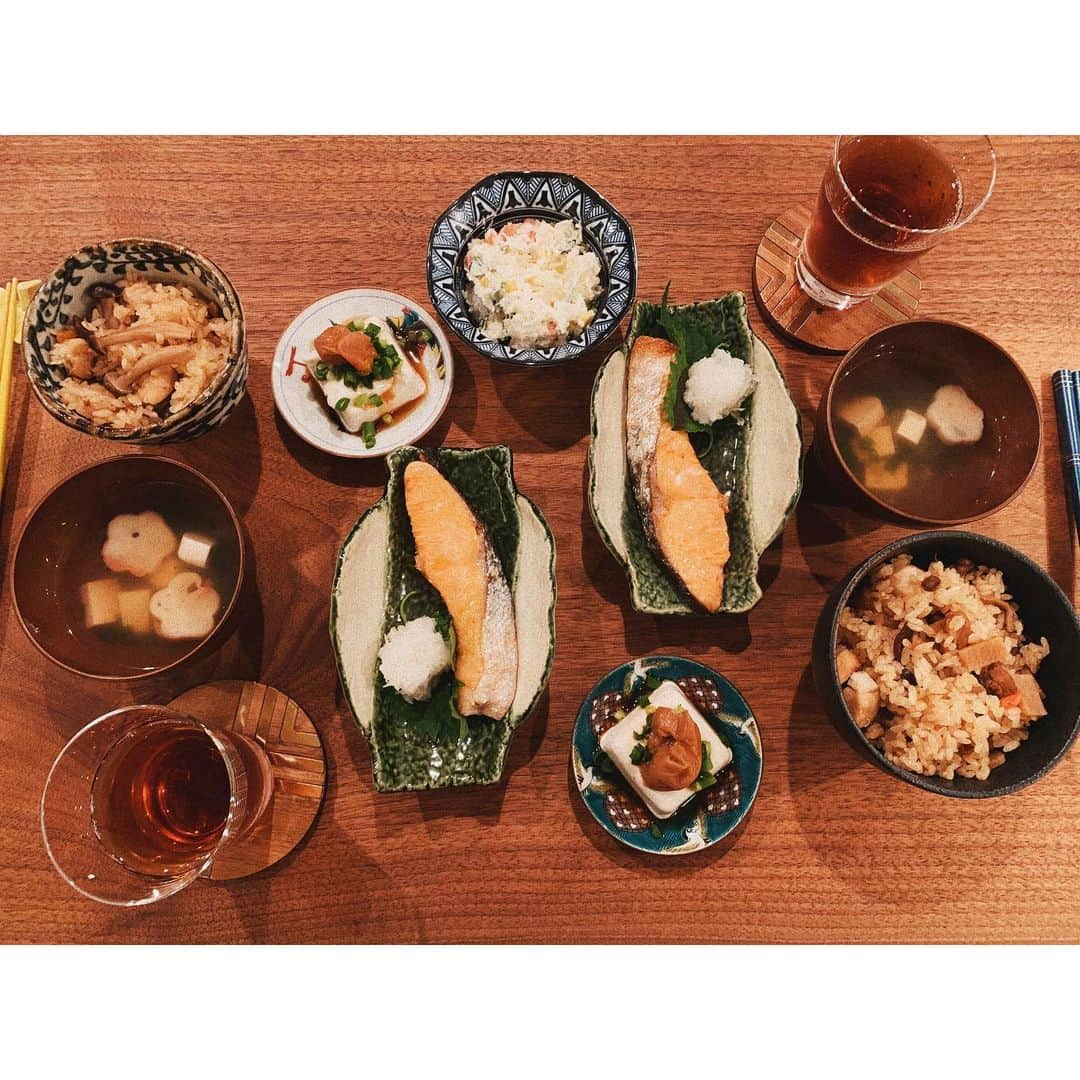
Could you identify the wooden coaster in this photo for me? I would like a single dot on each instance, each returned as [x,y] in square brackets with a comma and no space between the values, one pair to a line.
[794,313]
[284,730]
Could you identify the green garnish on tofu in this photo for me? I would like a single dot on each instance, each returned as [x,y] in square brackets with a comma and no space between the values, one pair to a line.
[706,778]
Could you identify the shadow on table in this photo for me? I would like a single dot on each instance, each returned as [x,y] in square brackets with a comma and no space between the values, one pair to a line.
[481,802]
[824,521]
[343,472]
[888,841]
[551,404]
[230,455]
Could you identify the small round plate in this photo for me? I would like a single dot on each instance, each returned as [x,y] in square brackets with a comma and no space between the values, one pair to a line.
[295,750]
[301,403]
[716,812]
[513,196]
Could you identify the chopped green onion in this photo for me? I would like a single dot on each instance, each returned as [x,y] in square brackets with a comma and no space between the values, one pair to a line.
[646,729]
[351,378]
[705,778]
[387,418]
[640,754]
[341,404]
[322,369]
[643,701]
[367,432]
[652,683]
[374,399]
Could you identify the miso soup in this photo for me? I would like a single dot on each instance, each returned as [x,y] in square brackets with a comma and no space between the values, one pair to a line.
[938,463]
[145,600]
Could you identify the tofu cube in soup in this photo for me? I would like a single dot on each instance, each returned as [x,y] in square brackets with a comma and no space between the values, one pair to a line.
[881,440]
[885,476]
[134,607]
[912,427]
[862,413]
[624,744]
[101,603]
[195,550]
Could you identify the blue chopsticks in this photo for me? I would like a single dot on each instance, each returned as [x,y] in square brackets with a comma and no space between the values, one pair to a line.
[1067,400]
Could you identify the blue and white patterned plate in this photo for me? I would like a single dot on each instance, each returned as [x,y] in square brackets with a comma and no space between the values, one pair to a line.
[65,296]
[512,196]
[718,810]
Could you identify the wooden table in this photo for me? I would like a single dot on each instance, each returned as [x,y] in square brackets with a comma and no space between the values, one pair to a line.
[835,850]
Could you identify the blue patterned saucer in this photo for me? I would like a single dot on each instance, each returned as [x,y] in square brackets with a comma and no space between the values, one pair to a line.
[716,812]
[512,196]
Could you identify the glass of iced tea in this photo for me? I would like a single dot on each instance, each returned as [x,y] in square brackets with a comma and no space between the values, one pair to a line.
[884,200]
[142,800]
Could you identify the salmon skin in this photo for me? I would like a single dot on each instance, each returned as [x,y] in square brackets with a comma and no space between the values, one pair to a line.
[682,510]
[454,554]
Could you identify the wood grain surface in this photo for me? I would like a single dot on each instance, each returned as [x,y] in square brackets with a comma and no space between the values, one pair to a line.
[803,321]
[835,850]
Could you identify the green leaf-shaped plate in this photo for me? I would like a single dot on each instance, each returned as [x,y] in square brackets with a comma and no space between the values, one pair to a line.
[757,462]
[377,582]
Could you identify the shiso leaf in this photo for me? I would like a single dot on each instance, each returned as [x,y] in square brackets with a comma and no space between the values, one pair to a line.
[695,335]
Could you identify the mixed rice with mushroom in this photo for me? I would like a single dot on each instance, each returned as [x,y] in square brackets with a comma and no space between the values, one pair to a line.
[145,352]
[935,667]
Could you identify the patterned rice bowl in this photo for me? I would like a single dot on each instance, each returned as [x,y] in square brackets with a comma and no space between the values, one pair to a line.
[716,812]
[64,296]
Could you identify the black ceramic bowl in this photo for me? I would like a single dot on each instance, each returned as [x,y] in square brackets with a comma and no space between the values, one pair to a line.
[1045,612]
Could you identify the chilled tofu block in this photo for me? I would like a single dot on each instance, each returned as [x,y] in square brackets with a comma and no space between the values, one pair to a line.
[366,404]
[101,602]
[195,550]
[135,610]
[881,439]
[165,573]
[912,427]
[882,476]
[618,743]
[862,413]
[955,418]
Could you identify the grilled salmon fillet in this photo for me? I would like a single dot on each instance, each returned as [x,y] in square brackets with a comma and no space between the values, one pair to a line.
[454,554]
[683,511]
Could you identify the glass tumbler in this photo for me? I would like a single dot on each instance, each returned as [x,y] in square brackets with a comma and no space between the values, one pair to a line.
[142,800]
[885,199]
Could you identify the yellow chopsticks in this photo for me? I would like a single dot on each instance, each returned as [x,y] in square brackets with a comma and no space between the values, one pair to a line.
[8,330]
